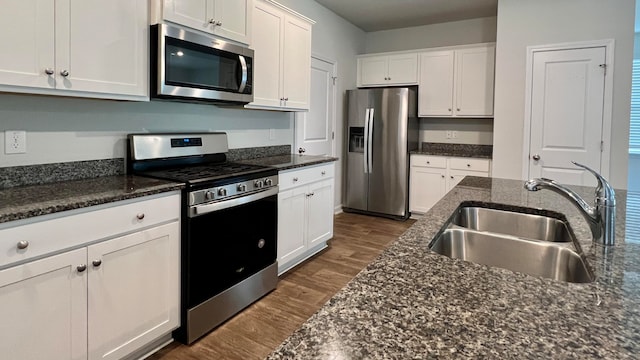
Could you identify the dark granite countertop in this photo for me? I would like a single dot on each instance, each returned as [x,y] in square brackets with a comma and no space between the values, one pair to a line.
[457,150]
[289,161]
[23,202]
[411,303]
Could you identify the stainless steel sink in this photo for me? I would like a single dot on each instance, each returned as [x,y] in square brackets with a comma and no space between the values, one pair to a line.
[518,241]
[519,224]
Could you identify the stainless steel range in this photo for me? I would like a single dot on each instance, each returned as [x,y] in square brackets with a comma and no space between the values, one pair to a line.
[229,224]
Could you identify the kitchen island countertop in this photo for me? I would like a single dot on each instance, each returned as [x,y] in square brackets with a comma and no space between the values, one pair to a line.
[411,303]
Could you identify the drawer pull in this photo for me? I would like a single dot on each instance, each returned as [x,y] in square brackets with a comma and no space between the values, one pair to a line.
[468,165]
[452,177]
[140,216]
[428,162]
[96,263]
[323,173]
[295,179]
[82,268]
[22,244]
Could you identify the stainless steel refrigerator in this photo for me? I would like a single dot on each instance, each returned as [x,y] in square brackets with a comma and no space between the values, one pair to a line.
[382,127]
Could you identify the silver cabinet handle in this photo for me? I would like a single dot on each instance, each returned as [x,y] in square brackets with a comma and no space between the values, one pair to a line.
[536,157]
[295,179]
[323,173]
[212,21]
[81,268]
[22,244]
[96,263]
[428,162]
[449,109]
[452,177]
[49,71]
[468,165]
[140,216]
[286,99]
[219,23]
[457,109]
[64,73]
[442,176]
[301,150]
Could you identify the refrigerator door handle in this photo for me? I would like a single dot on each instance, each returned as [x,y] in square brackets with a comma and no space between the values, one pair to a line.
[366,140]
[370,138]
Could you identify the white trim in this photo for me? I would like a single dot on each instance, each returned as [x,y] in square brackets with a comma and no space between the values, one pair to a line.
[334,115]
[607,110]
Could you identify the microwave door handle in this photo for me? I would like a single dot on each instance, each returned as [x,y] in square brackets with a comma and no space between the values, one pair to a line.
[244,75]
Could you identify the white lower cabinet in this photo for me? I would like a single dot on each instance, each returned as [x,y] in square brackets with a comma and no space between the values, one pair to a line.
[105,300]
[305,213]
[431,177]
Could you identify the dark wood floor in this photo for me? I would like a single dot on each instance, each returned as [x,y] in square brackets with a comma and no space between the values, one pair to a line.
[260,328]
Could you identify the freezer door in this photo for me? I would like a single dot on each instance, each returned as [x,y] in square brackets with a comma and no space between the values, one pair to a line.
[388,173]
[357,177]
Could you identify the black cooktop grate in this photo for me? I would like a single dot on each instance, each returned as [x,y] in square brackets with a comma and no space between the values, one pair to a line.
[209,172]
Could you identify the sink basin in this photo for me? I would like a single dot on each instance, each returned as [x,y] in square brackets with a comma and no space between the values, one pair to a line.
[518,224]
[523,241]
[536,258]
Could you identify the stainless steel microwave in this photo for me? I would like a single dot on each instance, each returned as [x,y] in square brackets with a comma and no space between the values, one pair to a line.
[189,66]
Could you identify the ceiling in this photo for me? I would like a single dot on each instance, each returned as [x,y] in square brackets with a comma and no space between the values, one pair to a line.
[374,15]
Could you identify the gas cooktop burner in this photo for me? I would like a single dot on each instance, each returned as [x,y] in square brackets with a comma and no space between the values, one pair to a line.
[208,172]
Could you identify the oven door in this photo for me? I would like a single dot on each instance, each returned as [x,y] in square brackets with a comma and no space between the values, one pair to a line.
[196,66]
[228,242]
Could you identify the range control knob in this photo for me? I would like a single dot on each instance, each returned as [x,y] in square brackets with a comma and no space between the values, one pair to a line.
[268,182]
[222,192]
[209,195]
[242,187]
[258,184]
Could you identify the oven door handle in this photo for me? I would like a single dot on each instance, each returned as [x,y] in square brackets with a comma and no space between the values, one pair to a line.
[207,208]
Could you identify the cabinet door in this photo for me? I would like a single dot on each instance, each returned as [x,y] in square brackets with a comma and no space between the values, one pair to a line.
[427,186]
[190,13]
[320,212]
[403,69]
[234,19]
[291,224]
[296,63]
[267,45]
[102,46]
[43,307]
[134,290]
[474,81]
[27,39]
[373,70]
[435,95]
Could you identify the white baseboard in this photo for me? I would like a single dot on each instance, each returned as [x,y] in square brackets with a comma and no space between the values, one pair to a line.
[337,210]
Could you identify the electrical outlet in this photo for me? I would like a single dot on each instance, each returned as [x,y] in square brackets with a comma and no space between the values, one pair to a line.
[454,134]
[449,134]
[15,142]
[272,134]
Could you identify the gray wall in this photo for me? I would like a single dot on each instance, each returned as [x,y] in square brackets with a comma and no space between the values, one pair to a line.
[523,23]
[445,34]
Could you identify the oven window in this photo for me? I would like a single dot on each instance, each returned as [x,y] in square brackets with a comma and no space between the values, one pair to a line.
[193,65]
[227,246]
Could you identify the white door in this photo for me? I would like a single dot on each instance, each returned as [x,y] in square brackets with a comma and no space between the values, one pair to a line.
[296,58]
[427,186]
[435,95]
[320,212]
[315,128]
[567,100]
[43,307]
[403,69]
[291,224]
[191,13]
[474,81]
[267,45]
[373,70]
[232,15]
[134,290]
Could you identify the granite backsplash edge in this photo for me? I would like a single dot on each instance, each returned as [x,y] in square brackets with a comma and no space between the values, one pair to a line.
[41,174]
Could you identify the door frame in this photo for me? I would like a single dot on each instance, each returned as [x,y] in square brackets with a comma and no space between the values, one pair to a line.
[607,109]
[334,96]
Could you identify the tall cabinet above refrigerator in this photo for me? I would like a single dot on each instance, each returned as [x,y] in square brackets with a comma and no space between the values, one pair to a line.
[382,128]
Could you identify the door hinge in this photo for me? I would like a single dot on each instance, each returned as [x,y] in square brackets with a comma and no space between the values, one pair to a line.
[333,135]
[604,67]
[334,78]
[601,146]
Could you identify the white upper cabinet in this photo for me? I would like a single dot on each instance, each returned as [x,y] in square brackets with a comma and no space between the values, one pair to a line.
[457,83]
[87,48]
[230,19]
[385,70]
[282,70]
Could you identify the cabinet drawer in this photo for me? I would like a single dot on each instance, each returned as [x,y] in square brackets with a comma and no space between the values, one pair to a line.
[303,176]
[469,164]
[36,239]
[429,161]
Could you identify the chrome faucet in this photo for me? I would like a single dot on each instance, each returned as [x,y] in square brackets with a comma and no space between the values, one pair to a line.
[601,217]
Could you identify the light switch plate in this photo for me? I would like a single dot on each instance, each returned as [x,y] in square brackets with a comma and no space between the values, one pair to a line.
[15,142]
